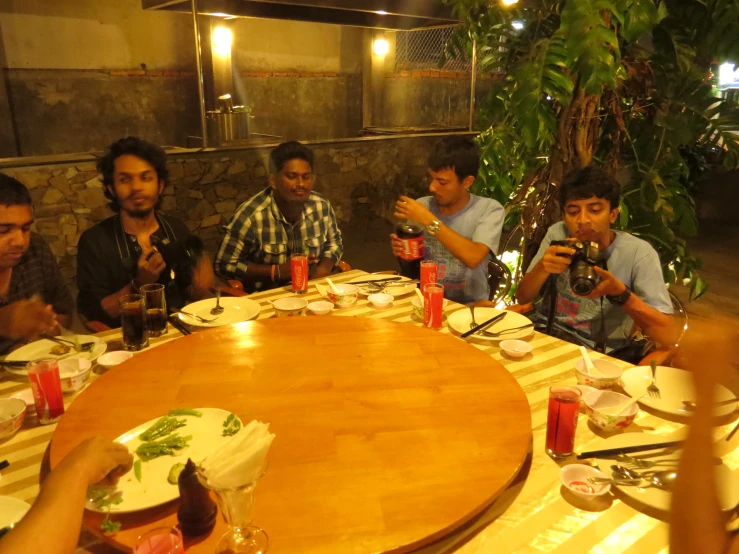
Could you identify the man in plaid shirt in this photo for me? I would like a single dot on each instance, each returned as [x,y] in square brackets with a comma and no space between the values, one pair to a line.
[284,219]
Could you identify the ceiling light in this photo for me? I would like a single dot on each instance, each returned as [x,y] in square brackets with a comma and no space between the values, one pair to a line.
[509,2]
[381,12]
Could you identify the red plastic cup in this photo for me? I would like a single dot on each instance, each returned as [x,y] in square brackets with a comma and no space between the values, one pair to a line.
[47,390]
[299,271]
[564,407]
[433,305]
[162,540]
[429,272]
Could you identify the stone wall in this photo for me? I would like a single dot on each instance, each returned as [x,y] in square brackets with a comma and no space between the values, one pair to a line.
[361,178]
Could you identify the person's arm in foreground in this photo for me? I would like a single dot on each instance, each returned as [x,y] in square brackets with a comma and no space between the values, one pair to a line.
[53,523]
[548,261]
[470,253]
[27,319]
[697,523]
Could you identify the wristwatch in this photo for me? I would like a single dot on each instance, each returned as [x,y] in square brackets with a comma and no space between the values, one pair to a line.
[433,227]
[620,299]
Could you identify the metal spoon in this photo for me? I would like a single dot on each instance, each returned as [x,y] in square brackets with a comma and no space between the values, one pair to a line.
[645,464]
[218,310]
[83,347]
[661,479]
[691,405]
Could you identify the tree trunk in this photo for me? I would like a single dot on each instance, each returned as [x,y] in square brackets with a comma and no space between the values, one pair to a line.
[577,137]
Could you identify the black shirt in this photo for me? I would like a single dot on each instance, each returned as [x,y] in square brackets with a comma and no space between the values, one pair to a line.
[107,260]
[37,273]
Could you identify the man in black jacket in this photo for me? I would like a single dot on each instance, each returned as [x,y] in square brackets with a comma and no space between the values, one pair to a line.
[125,251]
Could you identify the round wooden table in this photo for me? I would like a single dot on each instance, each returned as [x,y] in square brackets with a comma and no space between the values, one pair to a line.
[388,436]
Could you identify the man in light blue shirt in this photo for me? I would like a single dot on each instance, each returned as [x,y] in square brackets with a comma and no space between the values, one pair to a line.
[462,230]
[631,290]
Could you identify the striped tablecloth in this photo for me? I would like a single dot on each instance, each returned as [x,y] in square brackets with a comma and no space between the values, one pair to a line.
[532,516]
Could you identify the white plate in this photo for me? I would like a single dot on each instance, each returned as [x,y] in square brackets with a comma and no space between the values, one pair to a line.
[236,310]
[154,489]
[675,385]
[395,290]
[12,510]
[727,482]
[42,349]
[461,319]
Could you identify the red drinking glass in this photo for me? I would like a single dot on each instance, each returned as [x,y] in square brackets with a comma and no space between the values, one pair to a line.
[162,540]
[429,272]
[47,389]
[299,273]
[433,305]
[564,408]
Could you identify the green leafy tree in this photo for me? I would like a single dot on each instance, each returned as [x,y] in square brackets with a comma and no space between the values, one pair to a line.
[625,84]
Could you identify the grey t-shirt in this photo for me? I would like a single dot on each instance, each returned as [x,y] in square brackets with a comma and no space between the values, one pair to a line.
[632,261]
[481,220]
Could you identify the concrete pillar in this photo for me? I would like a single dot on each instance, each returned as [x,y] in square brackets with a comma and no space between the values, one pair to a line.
[373,77]
[8,140]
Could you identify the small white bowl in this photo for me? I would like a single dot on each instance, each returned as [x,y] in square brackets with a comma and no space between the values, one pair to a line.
[74,373]
[26,395]
[597,399]
[575,479]
[347,295]
[516,348]
[289,307]
[417,305]
[322,307]
[110,359]
[12,412]
[380,300]
[612,373]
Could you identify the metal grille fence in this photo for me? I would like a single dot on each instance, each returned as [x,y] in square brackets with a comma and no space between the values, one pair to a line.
[422,50]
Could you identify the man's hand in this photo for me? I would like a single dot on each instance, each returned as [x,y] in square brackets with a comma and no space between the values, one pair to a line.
[556,259]
[27,319]
[397,245]
[150,267]
[608,285]
[407,208]
[99,460]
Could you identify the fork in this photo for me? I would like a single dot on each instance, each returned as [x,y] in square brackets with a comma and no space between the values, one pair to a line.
[82,347]
[643,464]
[474,323]
[506,331]
[200,319]
[653,389]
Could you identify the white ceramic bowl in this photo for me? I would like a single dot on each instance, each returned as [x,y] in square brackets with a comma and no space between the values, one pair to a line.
[347,295]
[596,400]
[417,305]
[110,359]
[12,412]
[612,373]
[289,307]
[380,300]
[74,373]
[322,307]
[575,479]
[516,348]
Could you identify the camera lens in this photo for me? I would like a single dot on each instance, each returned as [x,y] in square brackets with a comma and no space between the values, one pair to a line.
[583,278]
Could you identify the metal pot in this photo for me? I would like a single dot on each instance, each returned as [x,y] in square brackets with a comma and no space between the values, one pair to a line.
[229,127]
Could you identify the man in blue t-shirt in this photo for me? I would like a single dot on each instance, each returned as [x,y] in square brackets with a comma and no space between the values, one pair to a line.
[631,290]
[461,229]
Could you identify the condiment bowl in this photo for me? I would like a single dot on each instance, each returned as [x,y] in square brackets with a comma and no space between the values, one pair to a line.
[575,479]
[417,305]
[321,307]
[380,300]
[347,295]
[516,348]
[12,412]
[612,373]
[596,400]
[110,359]
[289,307]
[74,373]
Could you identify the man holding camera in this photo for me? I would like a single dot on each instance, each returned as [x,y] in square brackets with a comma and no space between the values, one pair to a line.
[138,245]
[630,288]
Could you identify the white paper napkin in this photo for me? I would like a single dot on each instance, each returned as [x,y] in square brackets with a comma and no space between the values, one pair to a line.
[240,459]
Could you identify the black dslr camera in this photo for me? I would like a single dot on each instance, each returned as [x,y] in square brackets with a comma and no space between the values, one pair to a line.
[181,253]
[583,277]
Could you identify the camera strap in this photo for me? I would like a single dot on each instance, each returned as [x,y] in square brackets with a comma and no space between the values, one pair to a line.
[601,337]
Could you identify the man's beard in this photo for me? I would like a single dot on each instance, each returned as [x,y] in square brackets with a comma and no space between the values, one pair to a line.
[139,214]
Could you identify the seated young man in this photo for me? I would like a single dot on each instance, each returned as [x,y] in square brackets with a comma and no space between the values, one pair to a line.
[631,290]
[285,218]
[33,296]
[124,252]
[462,229]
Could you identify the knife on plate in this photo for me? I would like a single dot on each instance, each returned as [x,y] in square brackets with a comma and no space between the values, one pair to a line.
[375,281]
[484,325]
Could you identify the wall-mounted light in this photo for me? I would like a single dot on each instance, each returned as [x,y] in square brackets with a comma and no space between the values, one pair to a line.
[381,47]
[727,75]
[222,39]
[518,25]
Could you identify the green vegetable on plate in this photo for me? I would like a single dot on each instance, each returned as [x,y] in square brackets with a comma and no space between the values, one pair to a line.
[137,470]
[164,447]
[231,426]
[163,427]
[185,411]
[174,473]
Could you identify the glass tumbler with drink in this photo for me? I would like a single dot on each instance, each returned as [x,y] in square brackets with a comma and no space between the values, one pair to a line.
[299,273]
[47,389]
[429,273]
[564,407]
[433,305]
[133,321]
[156,309]
[162,540]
